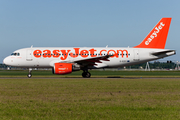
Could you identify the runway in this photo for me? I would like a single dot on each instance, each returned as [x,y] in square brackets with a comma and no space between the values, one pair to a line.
[90,78]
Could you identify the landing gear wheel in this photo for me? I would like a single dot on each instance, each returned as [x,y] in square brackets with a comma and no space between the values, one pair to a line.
[29,75]
[86,75]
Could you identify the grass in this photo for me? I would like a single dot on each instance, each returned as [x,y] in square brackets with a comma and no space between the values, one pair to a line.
[94,73]
[98,98]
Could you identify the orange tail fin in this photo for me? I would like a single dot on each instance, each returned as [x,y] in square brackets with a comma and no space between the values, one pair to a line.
[157,37]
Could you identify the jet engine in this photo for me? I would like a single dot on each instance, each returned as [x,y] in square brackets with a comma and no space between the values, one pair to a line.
[65,68]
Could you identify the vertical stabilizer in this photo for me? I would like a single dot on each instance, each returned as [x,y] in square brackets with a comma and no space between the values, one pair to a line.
[157,37]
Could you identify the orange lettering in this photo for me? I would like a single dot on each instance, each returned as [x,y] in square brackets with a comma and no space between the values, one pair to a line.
[115,54]
[122,52]
[92,52]
[84,53]
[47,53]
[37,53]
[102,51]
[76,53]
[56,53]
[65,54]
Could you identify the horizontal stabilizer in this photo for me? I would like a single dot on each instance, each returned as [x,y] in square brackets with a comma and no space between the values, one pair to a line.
[168,53]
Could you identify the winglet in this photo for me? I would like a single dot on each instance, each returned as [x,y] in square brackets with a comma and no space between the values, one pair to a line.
[157,37]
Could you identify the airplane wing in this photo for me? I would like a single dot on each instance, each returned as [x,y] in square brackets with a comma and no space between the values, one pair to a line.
[85,62]
[92,61]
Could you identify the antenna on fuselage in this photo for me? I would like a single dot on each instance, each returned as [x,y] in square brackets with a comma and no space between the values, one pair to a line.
[31,46]
[106,46]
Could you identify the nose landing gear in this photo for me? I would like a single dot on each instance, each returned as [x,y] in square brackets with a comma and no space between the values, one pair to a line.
[29,75]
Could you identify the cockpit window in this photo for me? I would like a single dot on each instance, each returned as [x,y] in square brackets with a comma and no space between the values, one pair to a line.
[15,54]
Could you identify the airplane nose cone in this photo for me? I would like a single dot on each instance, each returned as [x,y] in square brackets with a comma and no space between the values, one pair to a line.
[6,61]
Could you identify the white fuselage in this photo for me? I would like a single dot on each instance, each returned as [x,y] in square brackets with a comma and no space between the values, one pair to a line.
[42,57]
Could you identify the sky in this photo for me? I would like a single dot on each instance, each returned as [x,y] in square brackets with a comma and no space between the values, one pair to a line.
[84,23]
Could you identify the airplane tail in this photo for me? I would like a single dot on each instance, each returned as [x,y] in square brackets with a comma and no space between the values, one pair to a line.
[157,37]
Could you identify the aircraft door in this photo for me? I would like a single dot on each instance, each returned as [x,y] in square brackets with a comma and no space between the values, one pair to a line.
[29,55]
[136,55]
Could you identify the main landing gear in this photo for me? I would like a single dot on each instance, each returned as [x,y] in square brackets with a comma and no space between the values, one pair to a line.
[86,74]
[29,75]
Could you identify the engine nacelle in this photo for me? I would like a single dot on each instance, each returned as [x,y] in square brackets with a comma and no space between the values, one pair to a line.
[64,68]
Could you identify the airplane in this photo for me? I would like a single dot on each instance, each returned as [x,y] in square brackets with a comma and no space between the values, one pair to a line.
[65,60]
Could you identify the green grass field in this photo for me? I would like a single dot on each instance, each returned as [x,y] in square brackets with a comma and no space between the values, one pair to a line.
[94,73]
[92,98]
